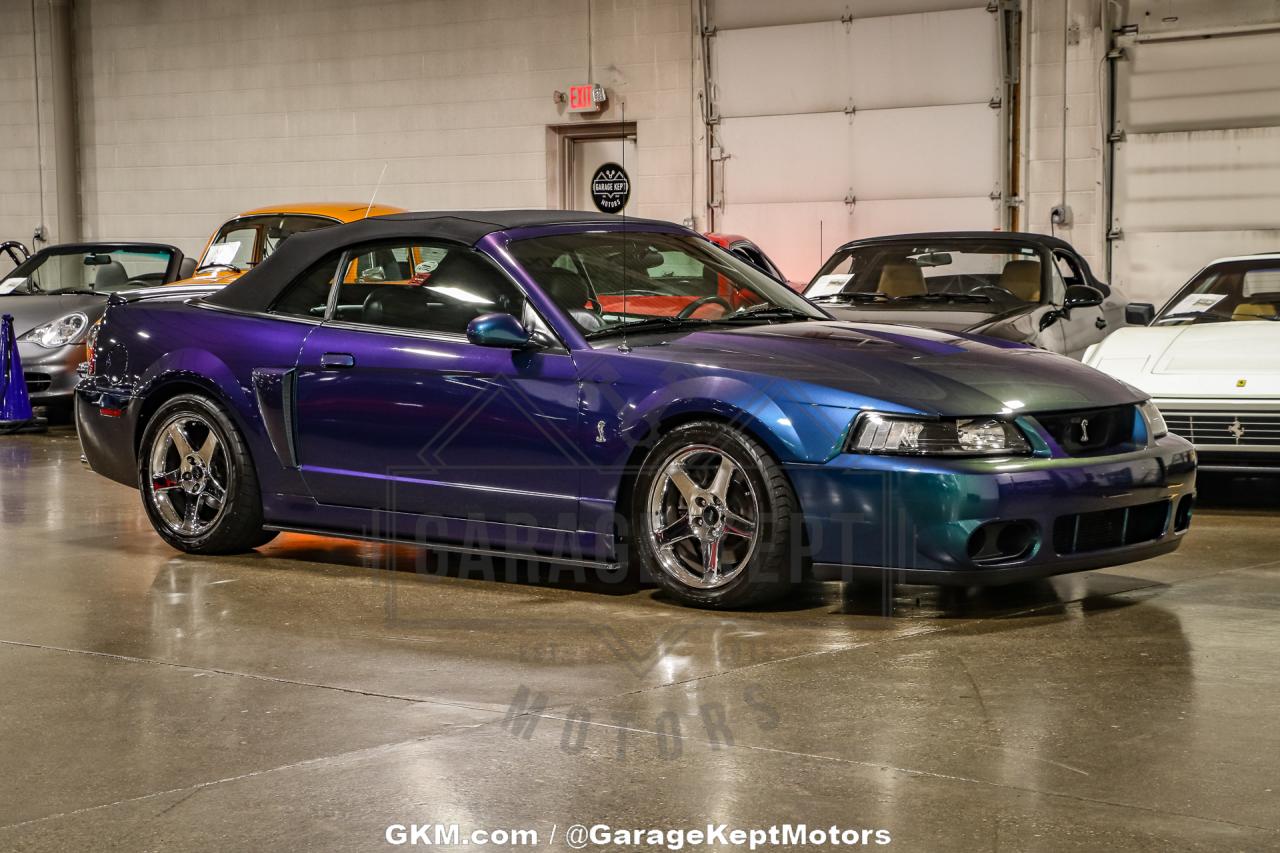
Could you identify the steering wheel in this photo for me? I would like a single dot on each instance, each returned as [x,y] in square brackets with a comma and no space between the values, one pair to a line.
[688,310]
[997,291]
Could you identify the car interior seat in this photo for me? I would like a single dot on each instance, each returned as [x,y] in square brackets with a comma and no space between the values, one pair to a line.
[1022,279]
[1253,311]
[110,276]
[391,270]
[570,292]
[901,278]
[399,306]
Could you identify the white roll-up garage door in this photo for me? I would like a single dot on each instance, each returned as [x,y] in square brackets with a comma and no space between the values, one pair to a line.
[1197,157]
[846,119]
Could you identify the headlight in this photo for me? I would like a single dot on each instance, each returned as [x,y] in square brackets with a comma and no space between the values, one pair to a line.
[59,333]
[908,436]
[1155,420]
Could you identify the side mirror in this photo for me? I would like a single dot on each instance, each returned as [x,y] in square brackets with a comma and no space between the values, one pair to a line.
[498,330]
[1081,296]
[1139,313]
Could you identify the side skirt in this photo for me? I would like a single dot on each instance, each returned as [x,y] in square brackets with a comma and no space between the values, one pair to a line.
[451,548]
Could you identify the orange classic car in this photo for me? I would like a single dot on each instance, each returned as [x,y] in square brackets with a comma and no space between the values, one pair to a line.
[248,238]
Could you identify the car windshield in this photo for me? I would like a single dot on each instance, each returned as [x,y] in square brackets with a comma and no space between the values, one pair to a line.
[609,281]
[1239,290]
[81,271]
[928,276]
[243,242]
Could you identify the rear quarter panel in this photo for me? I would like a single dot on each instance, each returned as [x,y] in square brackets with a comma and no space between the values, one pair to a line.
[161,349]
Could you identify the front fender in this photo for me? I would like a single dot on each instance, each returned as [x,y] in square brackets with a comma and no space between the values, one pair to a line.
[793,431]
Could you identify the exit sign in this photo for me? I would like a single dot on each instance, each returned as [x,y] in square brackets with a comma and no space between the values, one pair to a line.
[586,98]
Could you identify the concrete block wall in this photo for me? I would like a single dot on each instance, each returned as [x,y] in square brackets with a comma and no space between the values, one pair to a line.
[23,147]
[1066,167]
[192,111]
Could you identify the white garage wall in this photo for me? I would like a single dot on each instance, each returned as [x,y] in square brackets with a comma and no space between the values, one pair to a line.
[1067,166]
[1198,168]
[192,111]
[873,121]
[20,177]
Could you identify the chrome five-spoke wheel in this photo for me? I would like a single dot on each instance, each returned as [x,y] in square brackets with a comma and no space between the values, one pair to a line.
[704,515]
[189,474]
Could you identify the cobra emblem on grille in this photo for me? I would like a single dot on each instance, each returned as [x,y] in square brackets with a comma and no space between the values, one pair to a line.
[1084,430]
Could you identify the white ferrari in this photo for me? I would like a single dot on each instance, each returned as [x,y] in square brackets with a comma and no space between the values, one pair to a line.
[1211,362]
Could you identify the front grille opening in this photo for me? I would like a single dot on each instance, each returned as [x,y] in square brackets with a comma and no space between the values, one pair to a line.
[1092,432]
[1182,518]
[1226,429]
[37,381]
[1001,542]
[1110,528]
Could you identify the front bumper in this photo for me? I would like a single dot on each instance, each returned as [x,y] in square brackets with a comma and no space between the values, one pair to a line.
[920,517]
[50,373]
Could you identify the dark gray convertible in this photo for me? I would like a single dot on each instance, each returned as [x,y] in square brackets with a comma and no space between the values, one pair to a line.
[56,296]
[1028,288]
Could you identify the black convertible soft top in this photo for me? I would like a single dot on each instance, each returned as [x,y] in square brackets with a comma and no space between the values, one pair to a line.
[259,287]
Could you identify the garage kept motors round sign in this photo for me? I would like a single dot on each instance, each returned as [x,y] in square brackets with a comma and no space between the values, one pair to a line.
[610,188]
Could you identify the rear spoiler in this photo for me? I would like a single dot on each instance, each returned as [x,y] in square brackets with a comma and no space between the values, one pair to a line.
[165,293]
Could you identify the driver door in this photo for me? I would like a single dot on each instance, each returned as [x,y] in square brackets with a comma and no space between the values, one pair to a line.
[397,410]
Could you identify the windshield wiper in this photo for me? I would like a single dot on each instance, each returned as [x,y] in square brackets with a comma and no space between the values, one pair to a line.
[231,267]
[857,296]
[944,297]
[647,325]
[766,312]
[77,291]
[1194,315]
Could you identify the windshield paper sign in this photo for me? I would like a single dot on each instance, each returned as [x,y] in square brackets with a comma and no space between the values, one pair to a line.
[829,284]
[1198,303]
[221,255]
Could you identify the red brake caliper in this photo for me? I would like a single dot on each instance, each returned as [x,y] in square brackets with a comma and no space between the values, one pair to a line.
[159,483]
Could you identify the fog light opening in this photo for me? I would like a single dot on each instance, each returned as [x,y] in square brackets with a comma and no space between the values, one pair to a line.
[1182,518]
[1001,542]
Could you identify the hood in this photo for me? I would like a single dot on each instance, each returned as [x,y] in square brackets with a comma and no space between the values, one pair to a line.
[34,310]
[852,365]
[1239,359]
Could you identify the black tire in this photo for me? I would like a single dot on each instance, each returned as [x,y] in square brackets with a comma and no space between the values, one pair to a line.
[235,526]
[770,569]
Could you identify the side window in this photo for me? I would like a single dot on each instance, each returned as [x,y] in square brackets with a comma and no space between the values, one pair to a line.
[308,294]
[751,256]
[423,288]
[1068,269]
[1057,283]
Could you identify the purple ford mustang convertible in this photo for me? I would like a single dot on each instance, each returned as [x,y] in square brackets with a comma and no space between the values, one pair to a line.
[581,389]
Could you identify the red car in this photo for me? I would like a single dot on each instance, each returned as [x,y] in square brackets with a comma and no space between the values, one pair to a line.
[752,254]
[657,302]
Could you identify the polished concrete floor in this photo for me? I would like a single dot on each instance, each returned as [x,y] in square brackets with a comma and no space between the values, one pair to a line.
[310,695]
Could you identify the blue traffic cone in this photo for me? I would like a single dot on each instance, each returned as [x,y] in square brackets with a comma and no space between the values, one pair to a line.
[15,405]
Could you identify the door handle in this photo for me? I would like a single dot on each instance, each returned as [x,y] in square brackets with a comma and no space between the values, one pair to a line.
[1100,323]
[337,360]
